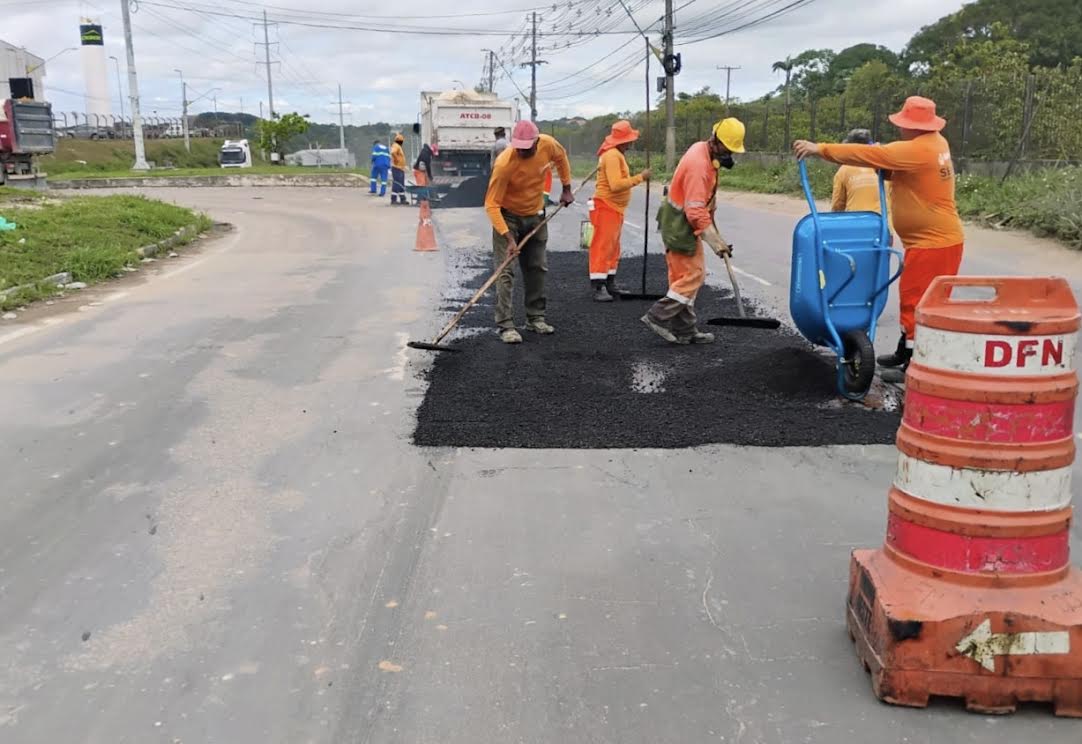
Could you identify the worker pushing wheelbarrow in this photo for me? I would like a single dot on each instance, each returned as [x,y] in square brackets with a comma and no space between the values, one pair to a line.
[839,284]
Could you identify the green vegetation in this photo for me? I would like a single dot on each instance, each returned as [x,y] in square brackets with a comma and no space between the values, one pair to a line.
[80,157]
[275,134]
[1048,202]
[262,170]
[91,237]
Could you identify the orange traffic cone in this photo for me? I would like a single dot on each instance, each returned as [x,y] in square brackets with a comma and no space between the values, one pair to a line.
[426,232]
[973,594]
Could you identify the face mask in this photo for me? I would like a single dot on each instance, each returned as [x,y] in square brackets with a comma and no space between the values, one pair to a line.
[725,161]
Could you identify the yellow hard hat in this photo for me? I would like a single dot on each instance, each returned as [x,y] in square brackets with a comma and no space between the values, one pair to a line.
[730,132]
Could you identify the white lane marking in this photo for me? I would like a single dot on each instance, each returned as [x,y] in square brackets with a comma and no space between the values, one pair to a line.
[401,359]
[182,269]
[19,333]
[754,278]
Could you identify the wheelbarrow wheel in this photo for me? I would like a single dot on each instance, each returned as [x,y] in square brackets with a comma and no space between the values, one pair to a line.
[858,362]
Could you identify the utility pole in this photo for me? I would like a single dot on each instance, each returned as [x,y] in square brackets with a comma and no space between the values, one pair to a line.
[266,49]
[119,93]
[133,91]
[671,68]
[532,64]
[491,71]
[728,79]
[184,110]
[341,122]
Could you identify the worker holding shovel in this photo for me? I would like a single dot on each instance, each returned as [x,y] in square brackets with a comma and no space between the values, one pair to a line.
[515,205]
[686,220]
[613,194]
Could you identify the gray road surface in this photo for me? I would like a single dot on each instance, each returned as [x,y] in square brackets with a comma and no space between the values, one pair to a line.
[208,476]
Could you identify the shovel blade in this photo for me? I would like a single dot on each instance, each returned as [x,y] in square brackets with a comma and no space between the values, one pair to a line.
[764,323]
[431,347]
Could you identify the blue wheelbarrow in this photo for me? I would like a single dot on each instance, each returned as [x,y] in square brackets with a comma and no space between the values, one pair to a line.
[839,284]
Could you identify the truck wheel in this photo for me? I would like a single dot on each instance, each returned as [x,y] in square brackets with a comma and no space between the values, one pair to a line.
[858,360]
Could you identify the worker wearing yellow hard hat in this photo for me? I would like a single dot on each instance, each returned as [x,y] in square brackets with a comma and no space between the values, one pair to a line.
[686,220]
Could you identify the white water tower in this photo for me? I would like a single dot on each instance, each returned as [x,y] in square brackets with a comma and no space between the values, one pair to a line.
[95,72]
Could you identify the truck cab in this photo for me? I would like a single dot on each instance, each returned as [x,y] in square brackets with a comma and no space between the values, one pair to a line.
[26,131]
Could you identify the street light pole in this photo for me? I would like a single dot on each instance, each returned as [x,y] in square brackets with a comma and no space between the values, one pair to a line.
[184,110]
[133,89]
[119,91]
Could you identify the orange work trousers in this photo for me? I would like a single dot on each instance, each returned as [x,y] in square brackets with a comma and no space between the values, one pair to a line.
[605,245]
[687,274]
[922,265]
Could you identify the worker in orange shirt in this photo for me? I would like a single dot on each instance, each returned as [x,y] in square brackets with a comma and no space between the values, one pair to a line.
[613,194]
[686,219]
[515,205]
[398,171]
[922,202]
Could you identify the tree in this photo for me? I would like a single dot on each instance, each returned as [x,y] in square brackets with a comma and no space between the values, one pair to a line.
[275,133]
[786,65]
[1051,28]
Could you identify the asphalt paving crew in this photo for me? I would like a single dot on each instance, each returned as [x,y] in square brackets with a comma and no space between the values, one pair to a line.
[515,206]
[611,197]
[422,167]
[686,221]
[924,212]
[398,171]
[381,164]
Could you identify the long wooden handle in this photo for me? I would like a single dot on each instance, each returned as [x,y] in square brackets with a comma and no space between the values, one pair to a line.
[499,270]
[736,287]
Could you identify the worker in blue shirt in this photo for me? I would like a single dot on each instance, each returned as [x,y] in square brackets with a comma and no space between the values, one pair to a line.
[381,168]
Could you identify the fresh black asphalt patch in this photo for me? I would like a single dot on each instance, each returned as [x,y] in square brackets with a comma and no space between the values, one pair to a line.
[603,380]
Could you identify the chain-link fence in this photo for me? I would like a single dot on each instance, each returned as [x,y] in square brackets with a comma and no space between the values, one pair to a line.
[1033,118]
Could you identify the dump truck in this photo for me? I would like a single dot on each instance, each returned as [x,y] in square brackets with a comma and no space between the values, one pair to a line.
[26,132]
[462,123]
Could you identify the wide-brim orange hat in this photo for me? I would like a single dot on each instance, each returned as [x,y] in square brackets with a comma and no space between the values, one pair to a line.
[622,133]
[918,113]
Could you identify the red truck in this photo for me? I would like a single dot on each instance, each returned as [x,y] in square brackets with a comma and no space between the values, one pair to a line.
[26,131]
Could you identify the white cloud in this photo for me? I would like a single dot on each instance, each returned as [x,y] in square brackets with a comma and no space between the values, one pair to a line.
[382,74]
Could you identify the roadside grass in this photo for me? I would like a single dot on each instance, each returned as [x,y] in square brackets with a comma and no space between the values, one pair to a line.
[94,238]
[127,172]
[80,158]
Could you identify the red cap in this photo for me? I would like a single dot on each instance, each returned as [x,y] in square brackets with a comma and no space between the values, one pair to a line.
[524,135]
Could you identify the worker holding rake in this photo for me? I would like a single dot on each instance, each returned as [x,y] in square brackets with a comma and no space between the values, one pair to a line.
[515,203]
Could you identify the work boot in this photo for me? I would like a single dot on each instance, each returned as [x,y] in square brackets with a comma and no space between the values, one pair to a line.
[899,358]
[895,375]
[701,338]
[510,336]
[610,285]
[601,293]
[538,325]
[661,330]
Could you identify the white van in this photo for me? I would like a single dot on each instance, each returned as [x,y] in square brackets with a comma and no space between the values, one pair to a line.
[235,154]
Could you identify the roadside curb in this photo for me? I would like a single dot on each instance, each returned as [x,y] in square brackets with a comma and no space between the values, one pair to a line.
[182,235]
[332,180]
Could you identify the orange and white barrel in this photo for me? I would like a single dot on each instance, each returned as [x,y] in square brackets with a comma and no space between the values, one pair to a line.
[973,593]
[987,442]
